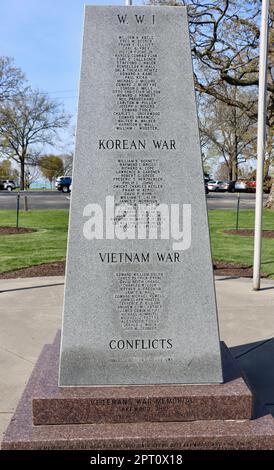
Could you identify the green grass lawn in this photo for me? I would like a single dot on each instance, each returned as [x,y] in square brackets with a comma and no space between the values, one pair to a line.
[239,249]
[44,246]
[49,242]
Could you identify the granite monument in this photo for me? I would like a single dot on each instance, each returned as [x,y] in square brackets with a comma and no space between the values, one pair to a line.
[139,298]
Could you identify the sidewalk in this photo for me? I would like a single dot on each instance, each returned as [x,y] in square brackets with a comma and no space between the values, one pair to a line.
[31,309]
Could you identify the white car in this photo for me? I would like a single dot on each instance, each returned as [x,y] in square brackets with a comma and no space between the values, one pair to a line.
[223,186]
[8,185]
[214,185]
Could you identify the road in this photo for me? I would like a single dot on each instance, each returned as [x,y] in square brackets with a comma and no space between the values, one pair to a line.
[229,200]
[36,200]
[58,200]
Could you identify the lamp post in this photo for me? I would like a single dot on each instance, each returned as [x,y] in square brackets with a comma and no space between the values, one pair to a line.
[261,139]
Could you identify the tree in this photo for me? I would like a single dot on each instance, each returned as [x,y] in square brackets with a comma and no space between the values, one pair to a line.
[222,173]
[230,131]
[225,47]
[225,38]
[51,166]
[12,80]
[270,200]
[7,172]
[31,119]
[32,175]
[246,172]
[68,163]
[207,168]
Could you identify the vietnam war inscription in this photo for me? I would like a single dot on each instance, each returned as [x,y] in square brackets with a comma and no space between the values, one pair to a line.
[139,297]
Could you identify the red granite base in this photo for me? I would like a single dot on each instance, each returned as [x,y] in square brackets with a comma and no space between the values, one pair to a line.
[123,404]
[208,433]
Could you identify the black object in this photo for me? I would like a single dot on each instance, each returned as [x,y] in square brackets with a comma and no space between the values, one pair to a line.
[17,209]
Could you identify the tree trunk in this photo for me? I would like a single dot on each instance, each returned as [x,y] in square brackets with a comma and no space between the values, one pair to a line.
[269,147]
[233,166]
[267,164]
[22,174]
[270,200]
[234,172]
[230,168]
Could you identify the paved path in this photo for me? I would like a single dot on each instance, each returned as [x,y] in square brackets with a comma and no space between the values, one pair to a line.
[58,200]
[30,314]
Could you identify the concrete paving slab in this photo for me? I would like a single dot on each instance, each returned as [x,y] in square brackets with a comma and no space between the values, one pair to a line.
[16,371]
[30,315]
[245,316]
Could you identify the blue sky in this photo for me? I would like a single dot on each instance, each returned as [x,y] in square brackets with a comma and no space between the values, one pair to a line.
[44,37]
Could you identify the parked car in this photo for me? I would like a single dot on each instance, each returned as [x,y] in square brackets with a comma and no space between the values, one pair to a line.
[7,185]
[213,185]
[240,185]
[251,186]
[223,186]
[63,183]
[248,185]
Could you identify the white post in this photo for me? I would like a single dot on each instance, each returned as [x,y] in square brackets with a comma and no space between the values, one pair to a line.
[128,3]
[261,138]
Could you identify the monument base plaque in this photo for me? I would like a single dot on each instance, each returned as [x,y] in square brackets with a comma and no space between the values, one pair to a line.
[136,417]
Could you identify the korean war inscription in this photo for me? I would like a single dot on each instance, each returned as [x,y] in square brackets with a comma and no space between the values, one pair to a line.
[139,298]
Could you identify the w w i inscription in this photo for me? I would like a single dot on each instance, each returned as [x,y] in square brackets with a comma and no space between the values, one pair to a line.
[139,298]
